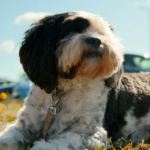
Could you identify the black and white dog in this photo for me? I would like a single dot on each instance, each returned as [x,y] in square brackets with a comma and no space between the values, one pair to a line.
[78,55]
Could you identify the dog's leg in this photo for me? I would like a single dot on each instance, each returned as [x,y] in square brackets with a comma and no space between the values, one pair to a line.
[73,141]
[29,121]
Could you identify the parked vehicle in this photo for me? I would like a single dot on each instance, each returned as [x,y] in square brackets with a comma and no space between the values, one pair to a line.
[136,63]
[6,86]
[21,89]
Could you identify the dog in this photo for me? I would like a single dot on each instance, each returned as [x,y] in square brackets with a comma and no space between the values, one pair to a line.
[75,62]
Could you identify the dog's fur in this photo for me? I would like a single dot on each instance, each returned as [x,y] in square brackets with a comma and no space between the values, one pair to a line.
[55,53]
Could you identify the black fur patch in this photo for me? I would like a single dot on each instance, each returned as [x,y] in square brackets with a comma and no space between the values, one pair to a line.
[78,25]
[134,92]
[37,52]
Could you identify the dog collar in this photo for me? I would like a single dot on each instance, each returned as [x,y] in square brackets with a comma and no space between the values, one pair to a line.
[52,110]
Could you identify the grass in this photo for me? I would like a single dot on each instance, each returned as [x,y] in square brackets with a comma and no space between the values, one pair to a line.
[127,144]
[9,109]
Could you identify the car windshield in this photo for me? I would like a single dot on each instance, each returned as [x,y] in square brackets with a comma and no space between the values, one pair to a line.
[137,61]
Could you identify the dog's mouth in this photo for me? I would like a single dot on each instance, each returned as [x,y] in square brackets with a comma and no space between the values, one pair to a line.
[93,52]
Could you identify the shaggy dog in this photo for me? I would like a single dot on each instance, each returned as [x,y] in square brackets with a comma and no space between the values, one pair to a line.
[76,58]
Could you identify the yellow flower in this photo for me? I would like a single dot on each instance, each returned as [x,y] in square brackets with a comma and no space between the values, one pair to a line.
[2,108]
[3,96]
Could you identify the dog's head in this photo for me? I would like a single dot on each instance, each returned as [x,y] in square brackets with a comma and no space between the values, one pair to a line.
[70,45]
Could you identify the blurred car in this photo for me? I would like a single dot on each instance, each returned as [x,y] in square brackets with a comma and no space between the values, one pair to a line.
[136,63]
[21,89]
[6,86]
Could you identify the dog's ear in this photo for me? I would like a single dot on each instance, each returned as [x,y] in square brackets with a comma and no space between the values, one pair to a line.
[37,52]
[114,80]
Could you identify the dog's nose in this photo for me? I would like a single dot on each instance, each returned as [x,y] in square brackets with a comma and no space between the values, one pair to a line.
[93,41]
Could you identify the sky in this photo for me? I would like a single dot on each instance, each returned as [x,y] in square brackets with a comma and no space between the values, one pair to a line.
[130,18]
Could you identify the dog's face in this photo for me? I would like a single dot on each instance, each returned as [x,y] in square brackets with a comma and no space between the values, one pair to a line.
[70,45]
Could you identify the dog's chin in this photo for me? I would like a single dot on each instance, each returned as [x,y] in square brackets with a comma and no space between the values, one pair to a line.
[97,63]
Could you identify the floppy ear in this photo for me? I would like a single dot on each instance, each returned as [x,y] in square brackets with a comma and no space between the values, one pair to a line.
[114,80]
[37,53]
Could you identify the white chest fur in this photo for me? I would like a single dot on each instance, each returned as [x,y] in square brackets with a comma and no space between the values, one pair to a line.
[82,105]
